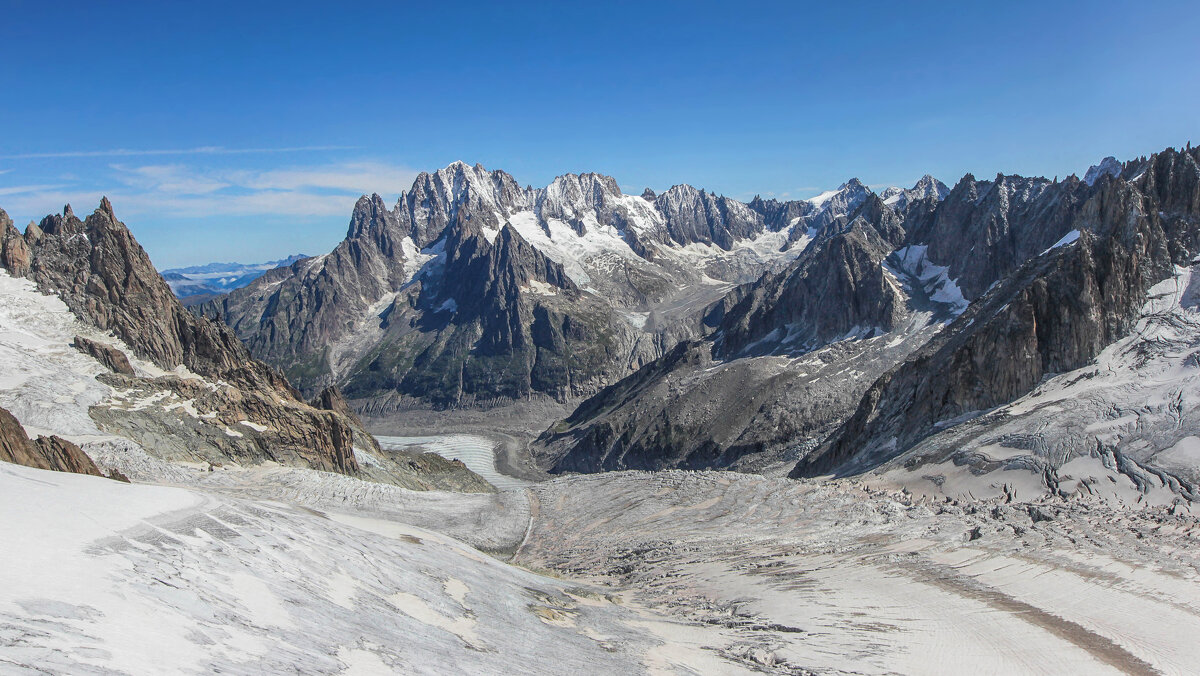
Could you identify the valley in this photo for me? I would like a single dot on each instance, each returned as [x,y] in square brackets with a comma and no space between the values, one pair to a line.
[599,339]
[567,429]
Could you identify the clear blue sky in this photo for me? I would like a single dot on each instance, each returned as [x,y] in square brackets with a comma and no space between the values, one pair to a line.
[787,98]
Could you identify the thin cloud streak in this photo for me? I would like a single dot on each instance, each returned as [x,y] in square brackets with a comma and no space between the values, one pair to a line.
[140,206]
[22,189]
[166,191]
[203,150]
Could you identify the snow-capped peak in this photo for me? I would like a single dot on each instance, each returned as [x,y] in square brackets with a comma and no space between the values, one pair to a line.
[926,186]
[1108,165]
[824,197]
[848,194]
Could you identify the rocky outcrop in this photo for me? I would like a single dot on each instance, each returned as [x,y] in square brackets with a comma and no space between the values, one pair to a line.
[107,280]
[63,456]
[112,358]
[226,424]
[53,452]
[331,399]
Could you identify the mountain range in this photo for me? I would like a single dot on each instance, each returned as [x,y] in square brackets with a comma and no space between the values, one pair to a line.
[200,283]
[472,291]
[851,332]
[1000,376]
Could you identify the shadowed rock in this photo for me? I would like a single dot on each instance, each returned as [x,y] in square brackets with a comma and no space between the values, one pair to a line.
[112,358]
[53,452]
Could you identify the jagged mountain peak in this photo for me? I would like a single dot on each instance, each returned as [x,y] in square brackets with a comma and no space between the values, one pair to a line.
[107,207]
[1109,166]
[931,186]
[844,194]
[367,211]
[589,190]
[680,189]
[927,186]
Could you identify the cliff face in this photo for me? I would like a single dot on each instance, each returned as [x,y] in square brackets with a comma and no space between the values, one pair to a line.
[107,280]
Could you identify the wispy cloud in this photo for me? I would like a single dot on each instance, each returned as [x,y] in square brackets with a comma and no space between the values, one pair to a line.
[184,191]
[23,189]
[350,177]
[202,150]
[171,179]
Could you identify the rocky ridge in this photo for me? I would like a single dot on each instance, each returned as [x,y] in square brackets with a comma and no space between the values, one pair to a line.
[993,289]
[1053,315]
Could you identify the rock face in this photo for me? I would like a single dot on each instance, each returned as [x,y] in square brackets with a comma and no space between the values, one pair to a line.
[472,291]
[14,253]
[984,230]
[107,280]
[54,453]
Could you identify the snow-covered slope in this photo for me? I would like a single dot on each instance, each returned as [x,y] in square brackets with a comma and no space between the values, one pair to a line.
[1123,427]
[148,429]
[102,577]
[47,384]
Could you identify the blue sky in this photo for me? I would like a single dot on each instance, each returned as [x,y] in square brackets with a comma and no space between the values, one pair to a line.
[244,131]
